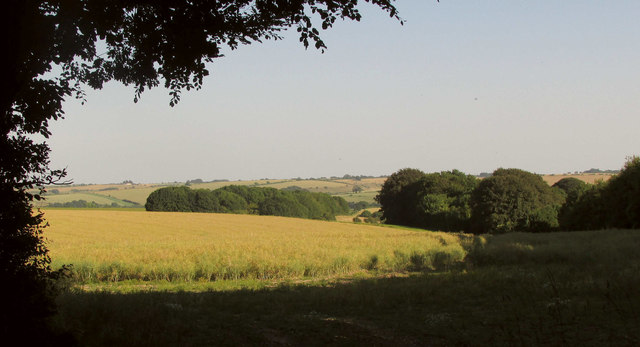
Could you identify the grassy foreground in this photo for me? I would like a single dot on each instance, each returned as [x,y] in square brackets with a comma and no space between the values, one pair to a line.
[518,289]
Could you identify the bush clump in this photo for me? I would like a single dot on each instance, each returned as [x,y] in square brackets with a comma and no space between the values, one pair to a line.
[510,200]
[612,204]
[436,201]
[252,200]
[514,200]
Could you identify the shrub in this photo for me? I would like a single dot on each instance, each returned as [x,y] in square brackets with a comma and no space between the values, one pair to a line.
[514,200]
[360,205]
[443,200]
[614,204]
[242,199]
[587,212]
[169,199]
[572,188]
[622,196]
[437,201]
[282,205]
[569,215]
[366,213]
[230,202]
[396,204]
[202,200]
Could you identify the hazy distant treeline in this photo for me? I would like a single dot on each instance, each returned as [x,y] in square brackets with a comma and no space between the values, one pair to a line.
[90,204]
[252,200]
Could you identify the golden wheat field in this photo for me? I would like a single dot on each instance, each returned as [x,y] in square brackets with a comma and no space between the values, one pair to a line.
[587,178]
[107,245]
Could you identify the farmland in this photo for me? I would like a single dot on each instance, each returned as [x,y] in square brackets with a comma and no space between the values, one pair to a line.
[114,246]
[125,194]
[87,196]
[590,178]
[143,278]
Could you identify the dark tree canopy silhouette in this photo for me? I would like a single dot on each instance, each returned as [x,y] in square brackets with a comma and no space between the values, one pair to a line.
[436,201]
[572,187]
[442,200]
[55,48]
[395,200]
[514,200]
[612,204]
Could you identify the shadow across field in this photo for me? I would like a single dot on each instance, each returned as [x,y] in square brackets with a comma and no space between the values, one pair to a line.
[555,303]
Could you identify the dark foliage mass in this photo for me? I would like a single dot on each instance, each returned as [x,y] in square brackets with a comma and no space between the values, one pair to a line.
[396,203]
[437,201]
[514,200]
[360,205]
[622,194]
[252,200]
[55,48]
[442,200]
[612,204]
[510,200]
[572,189]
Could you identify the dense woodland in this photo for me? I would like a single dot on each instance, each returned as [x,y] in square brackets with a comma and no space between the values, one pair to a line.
[252,200]
[510,200]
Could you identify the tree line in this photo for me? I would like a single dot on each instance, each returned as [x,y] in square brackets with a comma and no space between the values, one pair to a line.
[89,204]
[248,200]
[510,200]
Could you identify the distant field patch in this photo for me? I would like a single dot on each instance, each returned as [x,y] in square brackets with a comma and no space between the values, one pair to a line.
[588,178]
[216,185]
[118,245]
[138,195]
[367,183]
[96,187]
[97,198]
[330,187]
[363,196]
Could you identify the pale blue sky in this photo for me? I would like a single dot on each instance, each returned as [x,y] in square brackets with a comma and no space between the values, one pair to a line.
[545,86]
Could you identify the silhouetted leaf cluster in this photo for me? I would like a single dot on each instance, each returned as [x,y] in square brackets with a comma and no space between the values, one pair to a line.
[55,48]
